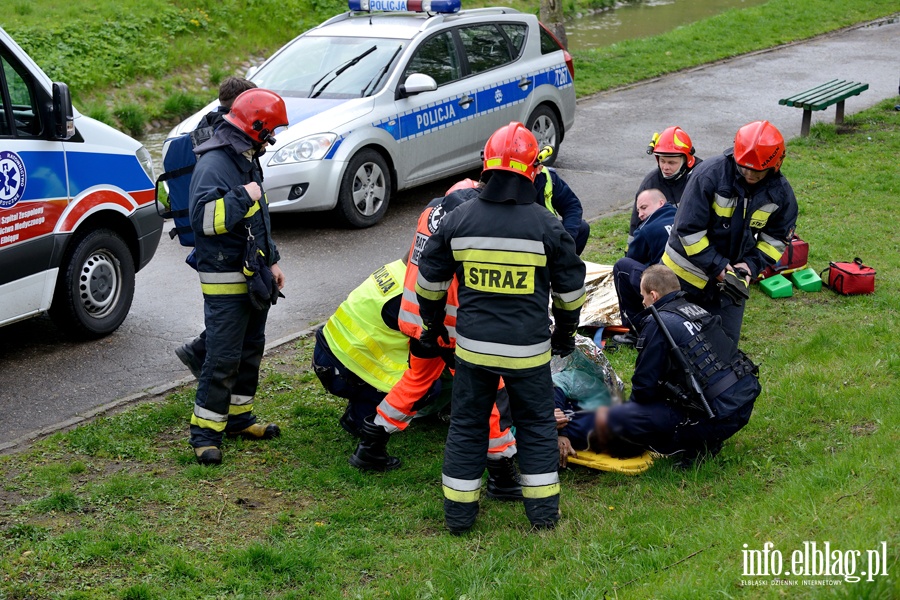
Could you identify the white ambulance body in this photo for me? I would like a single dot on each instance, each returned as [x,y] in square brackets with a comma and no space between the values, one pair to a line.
[77,210]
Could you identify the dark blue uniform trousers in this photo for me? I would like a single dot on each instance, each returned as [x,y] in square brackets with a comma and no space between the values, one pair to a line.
[235,340]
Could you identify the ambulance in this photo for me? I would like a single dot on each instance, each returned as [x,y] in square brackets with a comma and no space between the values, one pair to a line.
[77,209]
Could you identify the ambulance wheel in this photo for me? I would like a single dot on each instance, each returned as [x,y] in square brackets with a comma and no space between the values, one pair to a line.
[544,124]
[95,286]
[365,190]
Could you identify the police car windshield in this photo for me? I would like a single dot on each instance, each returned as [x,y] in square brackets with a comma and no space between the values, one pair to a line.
[299,67]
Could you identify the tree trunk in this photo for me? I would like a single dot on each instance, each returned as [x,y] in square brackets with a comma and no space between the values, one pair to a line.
[552,17]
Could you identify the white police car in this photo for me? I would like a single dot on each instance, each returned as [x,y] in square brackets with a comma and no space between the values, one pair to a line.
[383,101]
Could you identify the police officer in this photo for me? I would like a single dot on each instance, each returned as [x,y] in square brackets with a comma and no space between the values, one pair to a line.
[674,153]
[361,353]
[560,200]
[507,252]
[653,419]
[735,216]
[646,248]
[228,205]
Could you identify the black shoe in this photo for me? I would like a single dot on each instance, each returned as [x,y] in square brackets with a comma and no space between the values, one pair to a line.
[186,355]
[208,455]
[695,457]
[371,452]
[625,339]
[503,480]
[349,424]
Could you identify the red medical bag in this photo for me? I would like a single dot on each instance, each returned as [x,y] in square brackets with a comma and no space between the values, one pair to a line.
[850,278]
[793,259]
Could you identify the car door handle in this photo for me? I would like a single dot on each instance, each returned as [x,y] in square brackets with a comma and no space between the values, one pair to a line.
[524,83]
[465,101]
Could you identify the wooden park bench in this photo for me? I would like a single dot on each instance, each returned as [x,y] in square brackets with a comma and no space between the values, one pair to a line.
[823,96]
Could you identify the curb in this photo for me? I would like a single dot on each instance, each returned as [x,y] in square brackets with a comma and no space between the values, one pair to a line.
[148,394]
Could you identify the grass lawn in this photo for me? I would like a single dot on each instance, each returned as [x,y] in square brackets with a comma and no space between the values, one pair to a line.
[130,63]
[118,509]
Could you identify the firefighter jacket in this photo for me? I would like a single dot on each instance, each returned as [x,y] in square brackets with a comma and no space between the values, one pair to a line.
[559,199]
[221,212]
[672,189]
[508,256]
[429,220]
[723,220]
[650,238]
[725,374]
[363,334]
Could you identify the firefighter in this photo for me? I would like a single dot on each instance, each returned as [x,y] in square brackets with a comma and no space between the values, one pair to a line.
[645,249]
[674,153]
[735,216]
[361,354]
[228,204]
[653,420]
[193,353]
[408,395]
[559,199]
[507,253]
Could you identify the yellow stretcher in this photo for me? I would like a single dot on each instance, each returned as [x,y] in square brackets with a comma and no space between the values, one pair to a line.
[605,462]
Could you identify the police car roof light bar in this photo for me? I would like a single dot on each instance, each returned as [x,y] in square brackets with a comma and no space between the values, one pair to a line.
[428,6]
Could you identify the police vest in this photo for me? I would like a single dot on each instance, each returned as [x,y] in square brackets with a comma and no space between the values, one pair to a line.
[548,191]
[717,362]
[410,320]
[358,336]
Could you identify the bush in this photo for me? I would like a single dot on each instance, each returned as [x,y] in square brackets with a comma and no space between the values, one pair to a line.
[180,105]
[132,118]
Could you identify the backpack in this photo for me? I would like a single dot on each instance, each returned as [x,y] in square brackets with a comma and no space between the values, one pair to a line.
[179,164]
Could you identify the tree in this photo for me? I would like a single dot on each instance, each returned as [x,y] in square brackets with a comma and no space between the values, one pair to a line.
[552,17]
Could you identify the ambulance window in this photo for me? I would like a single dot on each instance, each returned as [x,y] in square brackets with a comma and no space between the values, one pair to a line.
[21,99]
[516,34]
[485,46]
[436,58]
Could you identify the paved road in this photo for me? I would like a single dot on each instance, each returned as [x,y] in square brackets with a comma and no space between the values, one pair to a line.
[45,380]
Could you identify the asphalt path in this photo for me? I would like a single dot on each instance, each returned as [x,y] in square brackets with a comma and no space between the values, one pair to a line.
[47,381]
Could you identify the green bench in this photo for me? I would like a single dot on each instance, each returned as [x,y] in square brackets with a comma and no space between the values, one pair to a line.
[823,96]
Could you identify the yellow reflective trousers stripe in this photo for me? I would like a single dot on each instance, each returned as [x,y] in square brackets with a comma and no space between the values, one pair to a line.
[458,496]
[223,289]
[207,424]
[540,491]
[508,362]
[239,409]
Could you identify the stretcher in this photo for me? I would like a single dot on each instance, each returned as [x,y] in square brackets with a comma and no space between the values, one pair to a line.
[605,462]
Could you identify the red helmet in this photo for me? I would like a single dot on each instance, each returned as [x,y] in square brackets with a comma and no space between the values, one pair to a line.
[465,184]
[675,140]
[759,146]
[258,112]
[512,148]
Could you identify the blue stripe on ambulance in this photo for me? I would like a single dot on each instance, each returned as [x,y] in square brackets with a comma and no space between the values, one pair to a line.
[45,175]
[439,115]
[87,169]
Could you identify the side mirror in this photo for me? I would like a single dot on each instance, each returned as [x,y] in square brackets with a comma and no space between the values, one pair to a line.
[251,72]
[417,83]
[63,118]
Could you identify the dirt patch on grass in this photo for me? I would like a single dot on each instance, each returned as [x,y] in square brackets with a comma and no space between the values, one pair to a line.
[864,428]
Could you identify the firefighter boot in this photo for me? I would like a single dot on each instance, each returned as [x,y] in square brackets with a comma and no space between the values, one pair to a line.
[186,355]
[503,480]
[257,431]
[459,517]
[208,455]
[371,452]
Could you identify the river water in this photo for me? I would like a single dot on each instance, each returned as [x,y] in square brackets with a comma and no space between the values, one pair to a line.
[643,18]
[629,20]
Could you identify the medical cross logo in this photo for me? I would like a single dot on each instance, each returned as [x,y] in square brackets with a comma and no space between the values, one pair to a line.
[12,179]
[498,96]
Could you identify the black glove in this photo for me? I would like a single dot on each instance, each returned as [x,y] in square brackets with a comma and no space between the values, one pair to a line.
[431,332]
[735,286]
[562,341]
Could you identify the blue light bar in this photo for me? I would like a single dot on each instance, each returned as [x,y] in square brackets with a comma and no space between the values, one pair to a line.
[432,6]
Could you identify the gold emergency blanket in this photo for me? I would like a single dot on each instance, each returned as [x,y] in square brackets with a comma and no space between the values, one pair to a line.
[602,306]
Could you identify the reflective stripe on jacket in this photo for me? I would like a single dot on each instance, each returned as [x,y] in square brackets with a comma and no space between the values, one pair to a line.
[358,336]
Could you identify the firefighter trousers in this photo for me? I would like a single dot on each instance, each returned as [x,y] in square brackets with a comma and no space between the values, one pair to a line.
[235,340]
[531,406]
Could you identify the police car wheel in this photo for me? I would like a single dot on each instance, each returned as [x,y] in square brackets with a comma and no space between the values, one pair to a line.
[544,124]
[95,286]
[365,190]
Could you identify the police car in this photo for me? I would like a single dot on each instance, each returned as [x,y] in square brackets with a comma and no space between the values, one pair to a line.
[77,210]
[397,93]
